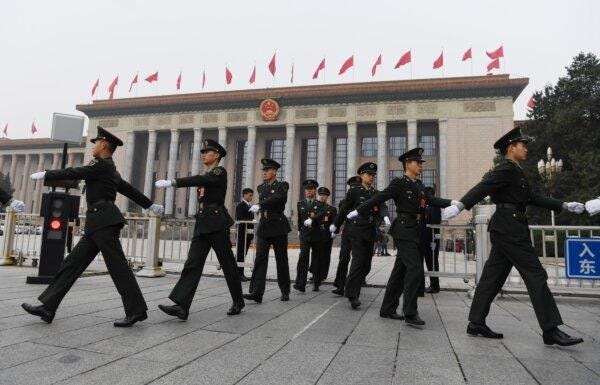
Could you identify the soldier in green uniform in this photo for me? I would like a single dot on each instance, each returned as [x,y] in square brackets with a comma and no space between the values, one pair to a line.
[362,233]
[345,244]
[273,229]
[210,231]
[102,228]
[310,213]
[328,218]
[407,275]
[511,245]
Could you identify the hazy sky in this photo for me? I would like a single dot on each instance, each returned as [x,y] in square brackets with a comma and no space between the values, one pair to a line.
[53,51]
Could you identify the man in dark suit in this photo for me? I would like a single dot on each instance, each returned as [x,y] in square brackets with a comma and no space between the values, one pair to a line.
[273,229]
[102,229]
[429,242]
[509,189]
[245,231]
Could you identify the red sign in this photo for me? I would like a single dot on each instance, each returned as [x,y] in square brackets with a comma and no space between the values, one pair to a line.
[269,110]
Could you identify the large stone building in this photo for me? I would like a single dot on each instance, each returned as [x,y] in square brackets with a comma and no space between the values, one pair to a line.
[323,132]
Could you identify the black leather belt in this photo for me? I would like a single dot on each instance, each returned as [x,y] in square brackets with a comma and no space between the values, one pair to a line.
[99,201]
[410,215]
[510,206]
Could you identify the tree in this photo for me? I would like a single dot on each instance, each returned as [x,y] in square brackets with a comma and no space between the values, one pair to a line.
[5,184]
[566,117]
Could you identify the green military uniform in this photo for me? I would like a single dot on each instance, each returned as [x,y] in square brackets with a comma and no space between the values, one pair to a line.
[102,229]
[407,275]
[328,219]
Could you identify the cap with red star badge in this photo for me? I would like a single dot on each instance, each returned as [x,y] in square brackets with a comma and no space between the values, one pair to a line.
[213,145]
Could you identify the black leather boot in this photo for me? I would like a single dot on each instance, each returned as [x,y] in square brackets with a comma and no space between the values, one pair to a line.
[41,311]
[175,311]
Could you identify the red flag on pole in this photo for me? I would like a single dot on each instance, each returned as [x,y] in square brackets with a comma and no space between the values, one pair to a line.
[319,68]
[272,65]
[95,87]
[203,78]
[467,55]
[33,128]
[496,54]
[530,103]
[228,75]
[5,129]
[404,59]
[494,64]
[377,63]
[178,83]
[253,76]
[349,63]
[111,87]
[134,81]
[292,76]
[152,78]
[439,62]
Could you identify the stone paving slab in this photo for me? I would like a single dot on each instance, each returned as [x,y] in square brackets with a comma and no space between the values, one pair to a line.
[315,338]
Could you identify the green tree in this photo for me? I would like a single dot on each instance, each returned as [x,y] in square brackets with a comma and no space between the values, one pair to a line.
[566,117]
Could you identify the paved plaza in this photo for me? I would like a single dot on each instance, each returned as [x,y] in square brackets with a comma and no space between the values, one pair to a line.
[315,338]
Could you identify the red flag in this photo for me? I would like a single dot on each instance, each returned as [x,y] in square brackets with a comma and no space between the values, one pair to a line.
[5,129]
[439,62]
[253,76]
[33,128]
[530,104]
[377,63]
[111,87]
[203,79]
[496,54]
[493,64]
[228,75]
[319,68]
[272,65]
[467,55]
[349,63]
[178,83]
[95,87]
[404,59]
[292,77]
[134,81]
[152,78]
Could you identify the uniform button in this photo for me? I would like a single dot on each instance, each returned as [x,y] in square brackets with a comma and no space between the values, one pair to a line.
[515,215]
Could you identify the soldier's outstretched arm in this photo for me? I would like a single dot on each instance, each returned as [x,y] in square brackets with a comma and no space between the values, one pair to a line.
[215,177]
[391,191]
[432,200]
[279,197]
[95,168]
[345,208]
[499,178]
[134,194]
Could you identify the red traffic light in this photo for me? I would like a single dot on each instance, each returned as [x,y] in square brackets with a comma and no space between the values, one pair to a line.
[55,224]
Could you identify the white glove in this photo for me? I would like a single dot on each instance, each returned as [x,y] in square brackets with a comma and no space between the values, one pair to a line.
[308,222]
[593,206]
[575,207]
[352,214]
[454,202]
[333,235]
[450,212]
[254,209]
[38,175]
[332,229]
[17,206]
[387,222]
[157,209]
[163,183]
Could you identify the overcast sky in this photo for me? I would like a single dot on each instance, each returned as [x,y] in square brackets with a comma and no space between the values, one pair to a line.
[53,51]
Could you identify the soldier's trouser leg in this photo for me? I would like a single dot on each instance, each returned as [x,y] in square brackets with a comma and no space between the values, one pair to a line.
[302,267]
[185,289]
[394,287]
[342,268]
[280,244]
[368,261]
[221,244]
[261,263]
[410,256]
[70,269]
[241,249]
[316,256]
[361,249]
[326,258]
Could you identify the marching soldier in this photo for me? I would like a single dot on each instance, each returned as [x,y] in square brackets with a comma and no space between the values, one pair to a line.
[362,233]
[407,275]
[429,243]
[310,213]
[511,246]
[328,218]
[273,229]
[210,231]
[245,233]
[102,228]
[345,244]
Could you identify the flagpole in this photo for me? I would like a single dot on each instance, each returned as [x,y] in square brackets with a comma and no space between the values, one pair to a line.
[254,84]
[157,80]
[324,67]
[225,88]
[504,58]
[442,61]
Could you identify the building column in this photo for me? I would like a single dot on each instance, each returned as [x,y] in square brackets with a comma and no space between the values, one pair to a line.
[290,141]
[13,169]
[443,131]
[196,163]
[412,134]
[56,160]
[130,146]
[148,182]
[37,197]
[251,157]
[1,162]
[23,191]
[71,159]
[171,169]
[382,155]
[351,149]
[223,141]
[322,154]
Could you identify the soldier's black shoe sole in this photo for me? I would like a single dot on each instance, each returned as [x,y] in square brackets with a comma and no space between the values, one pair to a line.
[483,330]
[174,311]
[39,311]
[338,291]
[130,321]
[394,316]
[299,288]
[254,298]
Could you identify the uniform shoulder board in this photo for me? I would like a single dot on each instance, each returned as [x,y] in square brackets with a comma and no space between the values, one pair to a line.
[93,162]
[285,186]
[505,165]
[218,170]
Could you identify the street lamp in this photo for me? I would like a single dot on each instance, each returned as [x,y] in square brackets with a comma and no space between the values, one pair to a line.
[548,171]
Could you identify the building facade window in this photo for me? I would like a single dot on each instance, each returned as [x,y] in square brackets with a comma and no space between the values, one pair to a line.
[428,143]
[340,165]
[369,146]
[428,178]
[190,154]
[275,149]
[397,145]
[308,168]
[239,170]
